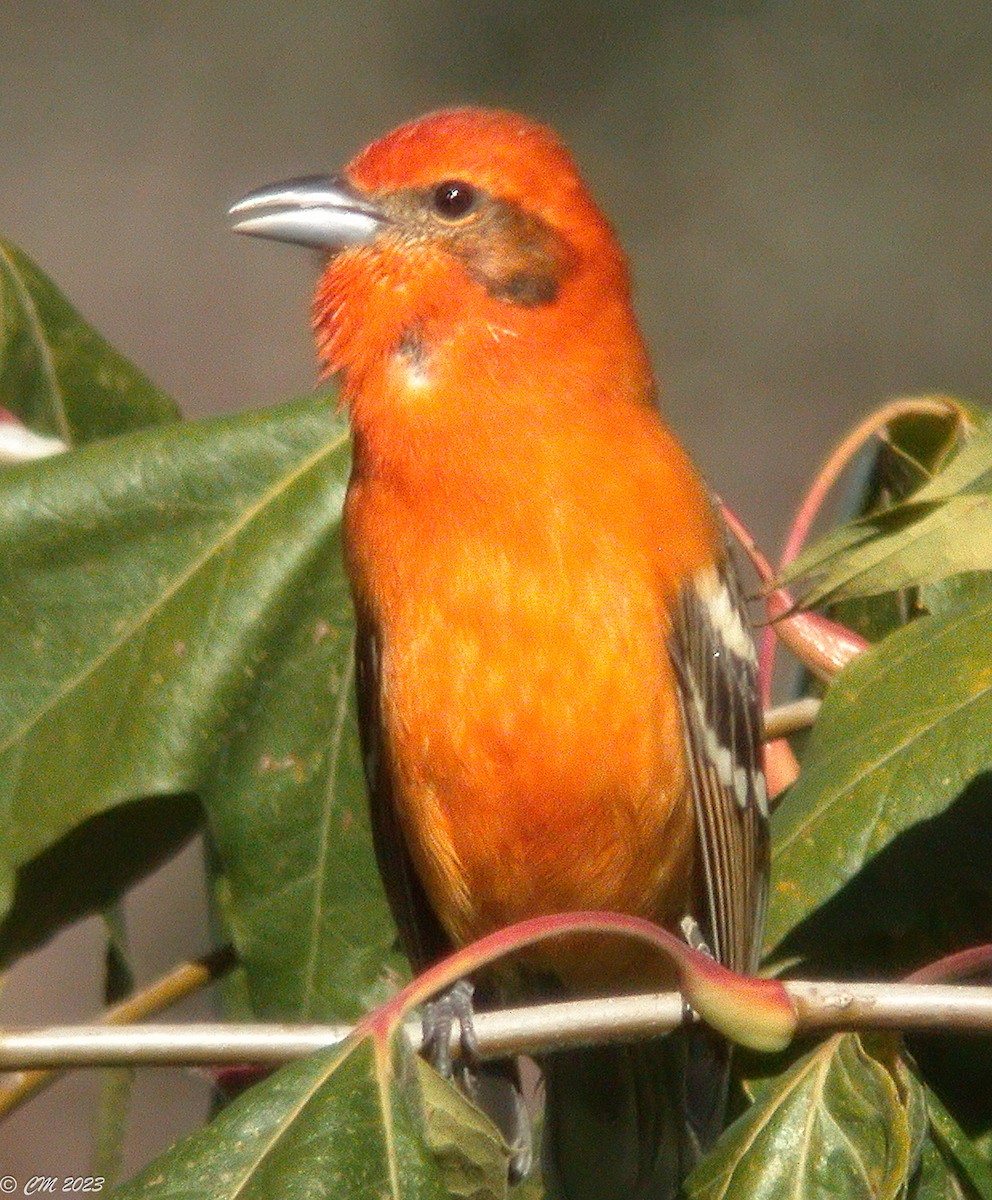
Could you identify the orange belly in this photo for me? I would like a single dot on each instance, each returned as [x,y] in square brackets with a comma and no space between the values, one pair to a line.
[532,721]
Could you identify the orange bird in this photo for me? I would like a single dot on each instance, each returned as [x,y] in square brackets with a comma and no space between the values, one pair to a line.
[556,678]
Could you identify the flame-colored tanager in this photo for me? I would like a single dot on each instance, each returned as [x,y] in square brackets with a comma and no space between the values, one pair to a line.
[556,677]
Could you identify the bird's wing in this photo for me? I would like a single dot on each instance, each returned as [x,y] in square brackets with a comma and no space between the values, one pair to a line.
[423,939]
[713,653]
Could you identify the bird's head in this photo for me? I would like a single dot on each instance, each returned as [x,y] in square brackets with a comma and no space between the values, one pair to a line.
[456,232]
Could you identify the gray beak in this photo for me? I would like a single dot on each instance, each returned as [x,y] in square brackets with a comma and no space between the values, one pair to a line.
[324,211]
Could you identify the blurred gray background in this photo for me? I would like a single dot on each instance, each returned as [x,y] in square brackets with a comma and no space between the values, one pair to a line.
[802,187]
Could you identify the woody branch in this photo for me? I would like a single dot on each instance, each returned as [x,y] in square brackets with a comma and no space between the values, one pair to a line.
[821,1007]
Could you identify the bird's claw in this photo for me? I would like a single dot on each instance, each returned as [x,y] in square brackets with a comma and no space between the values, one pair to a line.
[438,1018]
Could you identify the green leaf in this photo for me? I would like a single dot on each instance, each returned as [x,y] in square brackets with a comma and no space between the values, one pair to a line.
[943,529]
[968,472]
[952,595]
[958,1069]
[121,621]
[903,731]
[470,1152]
[175,620]
[936,1179]
[841,1121]
[957,1149]
[345,1123]
[307,914]
[57,373]
[914,449]
[928,892]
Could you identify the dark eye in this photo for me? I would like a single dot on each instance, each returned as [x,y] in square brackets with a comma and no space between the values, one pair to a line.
[453,199]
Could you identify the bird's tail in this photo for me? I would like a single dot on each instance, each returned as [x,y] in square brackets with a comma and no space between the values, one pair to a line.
[630,1122]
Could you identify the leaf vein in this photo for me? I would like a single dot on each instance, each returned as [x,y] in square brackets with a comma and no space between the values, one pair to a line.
[224,539]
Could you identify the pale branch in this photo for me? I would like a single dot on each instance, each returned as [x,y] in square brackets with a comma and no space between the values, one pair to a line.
[821,1007]
[176,984]
[784,719]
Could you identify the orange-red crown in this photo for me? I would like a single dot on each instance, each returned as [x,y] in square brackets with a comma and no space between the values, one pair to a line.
[506,154]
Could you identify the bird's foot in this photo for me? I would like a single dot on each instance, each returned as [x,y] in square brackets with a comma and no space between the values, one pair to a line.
[494,1086]
[439,1018]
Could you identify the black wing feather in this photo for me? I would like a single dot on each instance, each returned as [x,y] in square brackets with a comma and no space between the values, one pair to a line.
[722,729]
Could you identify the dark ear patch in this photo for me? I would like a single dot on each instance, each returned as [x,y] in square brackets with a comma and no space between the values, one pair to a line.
[527,290]
[514,254]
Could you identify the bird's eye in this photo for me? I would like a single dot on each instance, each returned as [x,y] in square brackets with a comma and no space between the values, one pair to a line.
[454,200]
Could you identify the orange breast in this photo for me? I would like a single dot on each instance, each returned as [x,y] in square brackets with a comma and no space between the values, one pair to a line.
[530,703]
